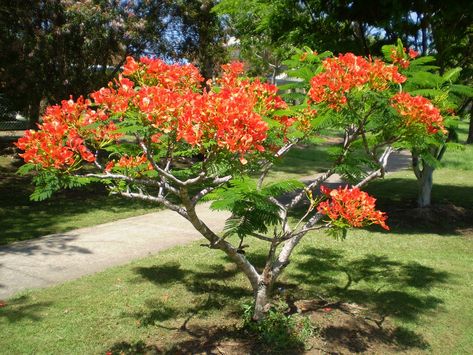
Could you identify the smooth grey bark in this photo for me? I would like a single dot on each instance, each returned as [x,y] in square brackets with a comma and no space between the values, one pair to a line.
[424,174]
[424,197]
[261,295]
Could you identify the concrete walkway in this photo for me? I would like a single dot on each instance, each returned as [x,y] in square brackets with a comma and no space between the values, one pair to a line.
[56,258]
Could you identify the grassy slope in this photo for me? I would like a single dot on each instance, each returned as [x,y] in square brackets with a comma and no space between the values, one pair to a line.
[421,281]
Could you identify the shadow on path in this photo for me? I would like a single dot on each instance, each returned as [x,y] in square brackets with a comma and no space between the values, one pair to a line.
[58,244]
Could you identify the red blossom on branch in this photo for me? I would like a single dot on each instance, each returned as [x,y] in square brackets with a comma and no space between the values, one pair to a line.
[351,207]
[58,143]
[169,100]
[347,72]
[401,58]
[418,110]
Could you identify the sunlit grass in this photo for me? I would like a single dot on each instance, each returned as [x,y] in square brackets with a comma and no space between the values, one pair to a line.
[419,280]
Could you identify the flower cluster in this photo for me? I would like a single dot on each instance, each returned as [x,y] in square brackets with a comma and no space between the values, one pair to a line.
[129,162]
[155,72]
[402,59]
[165,99]
[346,72]
[59,143]
[351,207]
[417,110]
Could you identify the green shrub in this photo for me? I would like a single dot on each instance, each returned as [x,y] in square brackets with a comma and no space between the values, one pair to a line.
[278,330]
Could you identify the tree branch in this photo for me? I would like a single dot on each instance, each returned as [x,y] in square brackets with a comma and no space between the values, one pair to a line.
[156,167]
[283,150]
[216,242]
[261,237]
[283,257]
[314,184]
[147,182]
[145,197]
[217,181]
[383,162]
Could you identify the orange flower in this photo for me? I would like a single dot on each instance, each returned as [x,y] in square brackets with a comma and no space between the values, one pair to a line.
[418,110]
[167,99]
[351,207]
[348,72]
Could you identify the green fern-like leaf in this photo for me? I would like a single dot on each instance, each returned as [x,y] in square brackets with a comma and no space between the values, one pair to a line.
[251,208]
[452,74]
[426,80]
[462,90]
[430,93]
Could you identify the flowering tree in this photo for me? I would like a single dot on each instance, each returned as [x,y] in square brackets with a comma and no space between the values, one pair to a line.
[157,133]
[445,98]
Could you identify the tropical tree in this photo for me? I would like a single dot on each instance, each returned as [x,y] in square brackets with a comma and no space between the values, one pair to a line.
[446,94]
[201,37]
[156,134]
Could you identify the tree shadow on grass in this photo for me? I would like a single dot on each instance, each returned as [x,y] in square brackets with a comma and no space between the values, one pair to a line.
[199,340]
[451,212]
[386,289]
[20,308]
[389,288]
[210,289]
[208,286]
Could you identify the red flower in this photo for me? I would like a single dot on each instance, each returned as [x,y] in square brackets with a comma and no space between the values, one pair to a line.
[168,101]
[351,207]
[419,111]
[130,67]
[348,72]
[413,54]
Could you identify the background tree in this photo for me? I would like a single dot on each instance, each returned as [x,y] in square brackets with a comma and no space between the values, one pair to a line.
[53,49]
[203,39]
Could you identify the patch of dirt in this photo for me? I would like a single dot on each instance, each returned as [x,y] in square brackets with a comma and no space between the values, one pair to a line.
[339,328]
[346,328]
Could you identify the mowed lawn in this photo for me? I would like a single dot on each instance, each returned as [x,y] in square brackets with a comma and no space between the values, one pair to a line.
[23,219]
[413,285]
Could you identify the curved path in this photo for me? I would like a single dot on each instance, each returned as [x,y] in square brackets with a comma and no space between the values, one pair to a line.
[56,258]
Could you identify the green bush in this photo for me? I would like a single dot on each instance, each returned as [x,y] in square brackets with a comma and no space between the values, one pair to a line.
[278,330]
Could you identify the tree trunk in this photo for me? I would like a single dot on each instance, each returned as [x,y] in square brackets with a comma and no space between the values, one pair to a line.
[261,301]
[425,186]
[469,140]
[33,114]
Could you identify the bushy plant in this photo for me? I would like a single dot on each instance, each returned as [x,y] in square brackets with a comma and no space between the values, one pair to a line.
[278,330]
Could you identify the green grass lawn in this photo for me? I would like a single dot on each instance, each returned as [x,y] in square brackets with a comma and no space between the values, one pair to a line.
[415,281]
[420,283]
[24,219]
